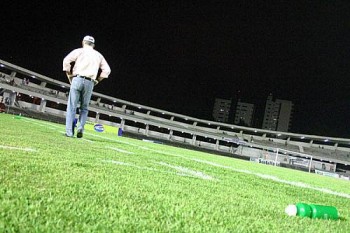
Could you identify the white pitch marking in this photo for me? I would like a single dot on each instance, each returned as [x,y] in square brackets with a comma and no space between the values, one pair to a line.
[87,140]
[111,139]
[187,171]
[274,178]
[17,148]
[44,124]
[264,176]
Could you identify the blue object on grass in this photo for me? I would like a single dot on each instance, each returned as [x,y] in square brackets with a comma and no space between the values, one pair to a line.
[120,132]
[99,128]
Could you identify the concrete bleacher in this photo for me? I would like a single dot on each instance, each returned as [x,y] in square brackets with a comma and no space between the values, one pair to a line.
[183,129]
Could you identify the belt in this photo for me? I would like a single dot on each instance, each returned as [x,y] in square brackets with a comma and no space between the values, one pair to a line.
[87,78]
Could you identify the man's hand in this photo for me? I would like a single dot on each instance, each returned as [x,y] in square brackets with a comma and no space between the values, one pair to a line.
[69,76]
[99,79]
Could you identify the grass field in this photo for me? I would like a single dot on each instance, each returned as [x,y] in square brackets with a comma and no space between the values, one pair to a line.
[106,183]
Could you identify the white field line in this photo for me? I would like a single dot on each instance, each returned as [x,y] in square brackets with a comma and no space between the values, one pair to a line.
[111,139]
[87,140]
[264,176]
[18,148]
[119,150]
[186,171]
[183,171]
[45,124]
[274,178]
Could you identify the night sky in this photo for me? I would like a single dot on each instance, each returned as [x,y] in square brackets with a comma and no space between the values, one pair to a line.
[180,55]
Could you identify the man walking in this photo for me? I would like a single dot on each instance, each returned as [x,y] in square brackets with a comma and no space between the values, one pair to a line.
[83,78]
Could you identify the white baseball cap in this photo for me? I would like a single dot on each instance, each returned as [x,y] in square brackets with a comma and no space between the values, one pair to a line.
[90,39]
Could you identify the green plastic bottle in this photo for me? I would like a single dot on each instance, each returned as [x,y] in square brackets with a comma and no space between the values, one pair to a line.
[312,211]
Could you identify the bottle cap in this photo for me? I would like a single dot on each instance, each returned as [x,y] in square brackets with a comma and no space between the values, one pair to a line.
[291,210]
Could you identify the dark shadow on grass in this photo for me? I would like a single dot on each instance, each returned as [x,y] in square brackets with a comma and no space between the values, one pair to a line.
[81,165]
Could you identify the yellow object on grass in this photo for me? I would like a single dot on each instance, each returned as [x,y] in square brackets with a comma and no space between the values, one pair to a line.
[107,128]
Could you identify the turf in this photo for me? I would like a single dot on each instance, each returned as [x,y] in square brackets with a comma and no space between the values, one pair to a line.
[106,183]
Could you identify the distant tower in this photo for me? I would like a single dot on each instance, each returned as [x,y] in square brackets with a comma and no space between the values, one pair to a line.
[278,114]
[244,113]
[221,110]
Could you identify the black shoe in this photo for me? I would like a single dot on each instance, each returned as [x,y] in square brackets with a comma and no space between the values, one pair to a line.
[79,134]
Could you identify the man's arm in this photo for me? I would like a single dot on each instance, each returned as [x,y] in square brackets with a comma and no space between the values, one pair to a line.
[71,57]
[105,70]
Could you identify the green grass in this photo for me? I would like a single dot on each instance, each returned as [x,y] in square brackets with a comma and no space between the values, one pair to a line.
[106,183]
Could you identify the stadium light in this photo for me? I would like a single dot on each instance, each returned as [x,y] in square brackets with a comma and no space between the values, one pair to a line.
[2,65]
